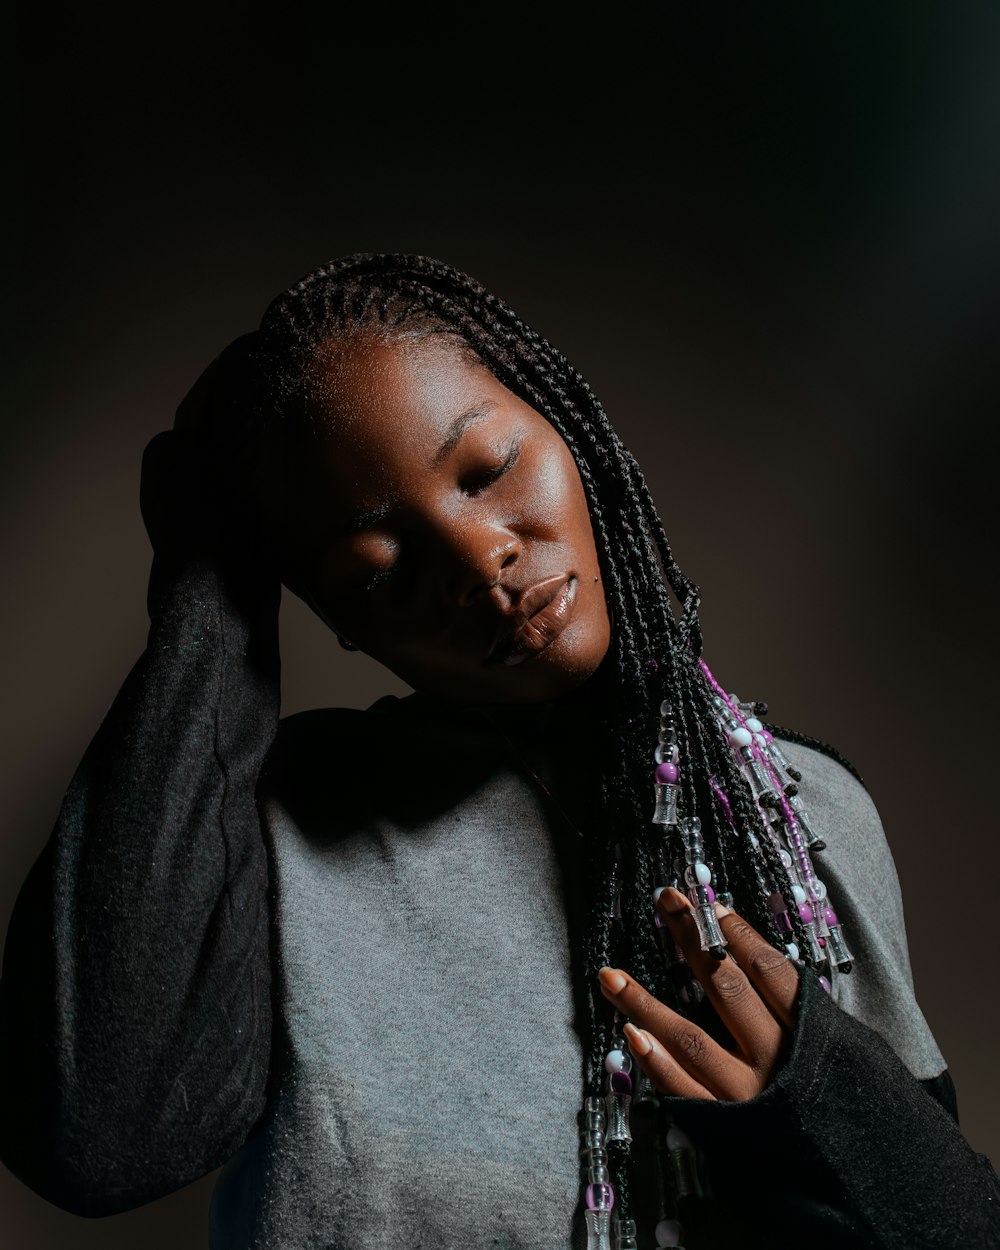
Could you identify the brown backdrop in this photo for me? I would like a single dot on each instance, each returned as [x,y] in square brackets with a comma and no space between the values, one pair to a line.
[768,242]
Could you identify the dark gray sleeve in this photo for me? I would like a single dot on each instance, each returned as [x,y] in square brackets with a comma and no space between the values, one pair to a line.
[845,1147]
[135,1014]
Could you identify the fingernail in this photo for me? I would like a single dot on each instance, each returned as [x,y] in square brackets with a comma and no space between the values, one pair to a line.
[638,1041]
[612,980]
[672,901]
[722,911]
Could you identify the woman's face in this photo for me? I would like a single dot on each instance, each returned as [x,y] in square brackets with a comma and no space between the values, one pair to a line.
[439,524]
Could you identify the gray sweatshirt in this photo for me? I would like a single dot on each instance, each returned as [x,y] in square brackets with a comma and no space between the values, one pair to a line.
[432,1055]
[337,955]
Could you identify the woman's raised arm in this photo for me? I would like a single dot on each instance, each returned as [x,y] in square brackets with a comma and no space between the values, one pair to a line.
[135,1016]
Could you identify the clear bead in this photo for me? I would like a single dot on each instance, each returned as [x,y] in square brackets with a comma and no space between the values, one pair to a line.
[665,812]
[777,755]
[598,1230]
[802,819]
[709,932]
[817,955]
[666,753]
[839,951]
[626,1233]
[760,782]
[684,1171]
[618,1118]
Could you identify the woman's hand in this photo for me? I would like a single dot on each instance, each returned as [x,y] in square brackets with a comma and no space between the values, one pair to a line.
[193,491]
[753,992]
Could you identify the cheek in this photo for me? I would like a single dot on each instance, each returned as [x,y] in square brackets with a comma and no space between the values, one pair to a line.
[556,491]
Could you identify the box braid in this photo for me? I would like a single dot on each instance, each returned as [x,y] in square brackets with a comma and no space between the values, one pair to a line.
[654,655]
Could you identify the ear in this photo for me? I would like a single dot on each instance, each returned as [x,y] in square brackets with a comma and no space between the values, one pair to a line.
[298,588]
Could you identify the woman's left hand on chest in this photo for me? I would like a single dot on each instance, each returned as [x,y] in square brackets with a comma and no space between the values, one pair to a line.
[753,993]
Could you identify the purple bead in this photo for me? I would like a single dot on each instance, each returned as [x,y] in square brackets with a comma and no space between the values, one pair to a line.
[825,984]
[830,916]
[620,1083]
[658,920]
[599,1197]
[822,941]
[667,773]
[783,921]
[805,913]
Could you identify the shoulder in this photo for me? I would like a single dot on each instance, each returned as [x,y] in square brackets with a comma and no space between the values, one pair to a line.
[842,812]
[827,769]
[859,872]
[838,802]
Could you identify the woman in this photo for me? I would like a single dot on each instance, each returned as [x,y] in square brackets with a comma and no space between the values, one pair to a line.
[366,959]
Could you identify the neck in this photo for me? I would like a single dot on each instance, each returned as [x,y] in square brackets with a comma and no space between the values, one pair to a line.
[582,705]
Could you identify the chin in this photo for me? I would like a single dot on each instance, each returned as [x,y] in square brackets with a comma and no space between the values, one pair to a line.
[537,680]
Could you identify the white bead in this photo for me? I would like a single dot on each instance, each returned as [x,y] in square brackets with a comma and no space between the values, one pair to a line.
[614,1061]
[657,892]
[798,894]
[753,724]
[741,737]
[668,1234]
[703,873]
[792,950]
[677,1139]
[785,858]
[761,741]
[817,889]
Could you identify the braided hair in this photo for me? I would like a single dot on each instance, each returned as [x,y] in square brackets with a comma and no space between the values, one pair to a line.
[654,654]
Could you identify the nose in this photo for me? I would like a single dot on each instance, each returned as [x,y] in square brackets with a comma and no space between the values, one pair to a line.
[482,555]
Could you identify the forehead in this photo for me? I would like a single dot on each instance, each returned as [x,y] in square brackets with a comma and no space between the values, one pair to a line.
[365,392]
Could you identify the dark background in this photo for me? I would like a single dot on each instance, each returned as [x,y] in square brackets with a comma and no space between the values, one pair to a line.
[767,236]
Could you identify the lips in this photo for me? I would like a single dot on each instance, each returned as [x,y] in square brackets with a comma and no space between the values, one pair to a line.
[545,611]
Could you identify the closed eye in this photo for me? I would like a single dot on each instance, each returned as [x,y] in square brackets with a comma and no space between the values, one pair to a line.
[377,580]
[474,488]
[479,484]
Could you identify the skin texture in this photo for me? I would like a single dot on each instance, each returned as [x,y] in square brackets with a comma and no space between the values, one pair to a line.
[428,585]
[754,994]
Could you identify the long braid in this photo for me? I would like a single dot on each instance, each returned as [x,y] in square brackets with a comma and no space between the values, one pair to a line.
[654,656]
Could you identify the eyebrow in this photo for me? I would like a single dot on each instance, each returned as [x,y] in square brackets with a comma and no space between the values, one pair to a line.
[456,429]
[471,416]
[361,520]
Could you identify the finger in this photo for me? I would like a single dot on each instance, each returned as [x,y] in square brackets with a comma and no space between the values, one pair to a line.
[665,1074]
[731,991]
[772,973]
[698,1054]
